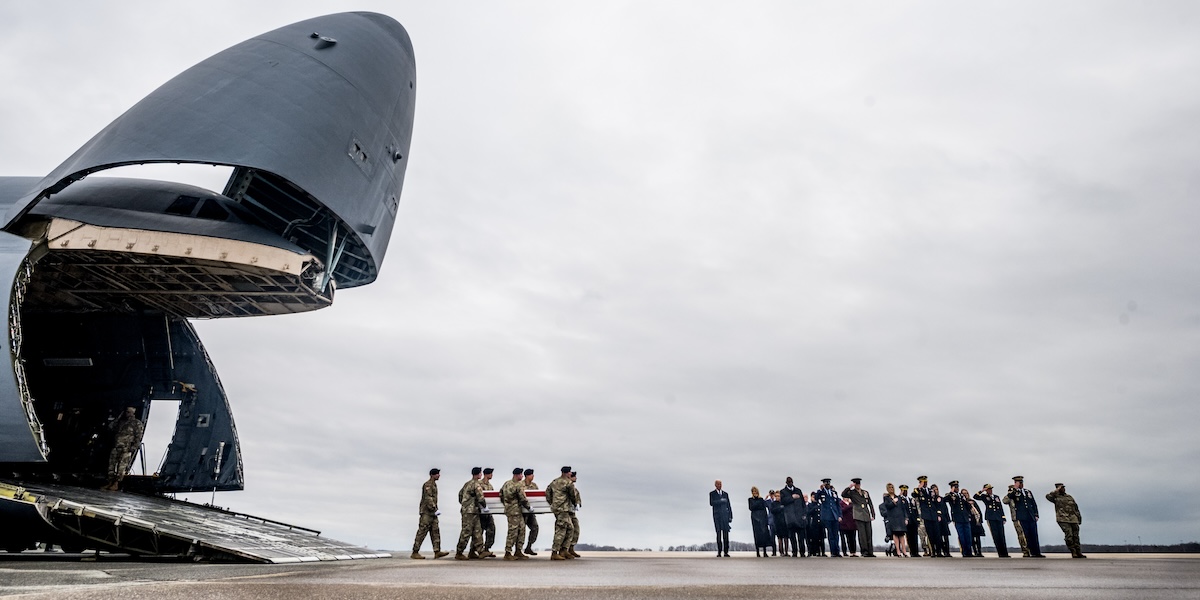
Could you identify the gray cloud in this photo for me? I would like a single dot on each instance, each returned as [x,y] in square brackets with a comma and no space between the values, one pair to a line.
[670,243]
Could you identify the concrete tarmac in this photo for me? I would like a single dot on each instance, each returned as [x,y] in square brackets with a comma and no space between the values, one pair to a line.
[610,576]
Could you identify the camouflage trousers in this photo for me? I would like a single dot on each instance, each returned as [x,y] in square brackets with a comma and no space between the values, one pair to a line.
[428,524]
[563,530]
[924,537]
[471,532]
[118,462]
[488,524]
[1021,537]
[574,530]
[1071,537]
[532,524]
[515,541]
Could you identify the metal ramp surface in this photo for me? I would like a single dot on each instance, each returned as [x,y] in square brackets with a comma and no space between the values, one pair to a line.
[158,526]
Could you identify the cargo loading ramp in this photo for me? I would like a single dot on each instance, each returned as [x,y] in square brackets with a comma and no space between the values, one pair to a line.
[160,526]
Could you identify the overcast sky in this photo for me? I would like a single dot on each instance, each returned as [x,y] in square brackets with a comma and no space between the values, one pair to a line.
[671,242]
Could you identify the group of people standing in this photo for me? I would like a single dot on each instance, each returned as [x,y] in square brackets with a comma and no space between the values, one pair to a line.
[789,522]
[479,526]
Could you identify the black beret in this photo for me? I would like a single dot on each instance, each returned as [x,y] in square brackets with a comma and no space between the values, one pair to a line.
[476,470]
[529,471]
[518,471]
[488,471]
[434,471]
[566,469]
[856,480]
[573,474]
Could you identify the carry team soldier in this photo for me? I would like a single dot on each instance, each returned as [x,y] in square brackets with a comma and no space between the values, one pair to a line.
[512,495]
[1066,512]
[487,522]
[561,493]
[471,501]
[429,512]
[1026,508]
[993,513]
[530,518]
[929,515]
[575,504]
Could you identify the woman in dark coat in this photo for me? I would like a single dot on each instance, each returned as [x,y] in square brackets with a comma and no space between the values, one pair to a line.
[758,521]
[780,522]
[848,528]
[896,518]
[816,530]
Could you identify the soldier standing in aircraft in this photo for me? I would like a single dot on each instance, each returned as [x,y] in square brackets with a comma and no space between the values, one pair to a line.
[127,435]
[429,512]
[487,522]
[993,513]
[512,495]
[530,518]
[576,503]
[561,493]
[1027,514]
[1066,512]
[470,499]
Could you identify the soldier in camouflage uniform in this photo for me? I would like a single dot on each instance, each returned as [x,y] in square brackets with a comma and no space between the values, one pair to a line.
[1066,512]
[530,518]
[561,494]
[575,504]
[1012,507]
[470,499]
[487,522]
[512,495]
[127,435]
[429,517]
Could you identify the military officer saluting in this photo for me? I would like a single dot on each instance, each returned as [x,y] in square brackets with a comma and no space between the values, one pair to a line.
[429,512]
[1012,511]
[929,514]
[993,513]
[1066,512]
[512,495]
[1027,514]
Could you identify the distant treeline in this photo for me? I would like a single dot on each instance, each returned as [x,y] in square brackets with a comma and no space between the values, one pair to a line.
[592,548]
[1096,548]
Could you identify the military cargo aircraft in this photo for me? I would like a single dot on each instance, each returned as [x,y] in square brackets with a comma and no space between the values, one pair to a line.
[100,276]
